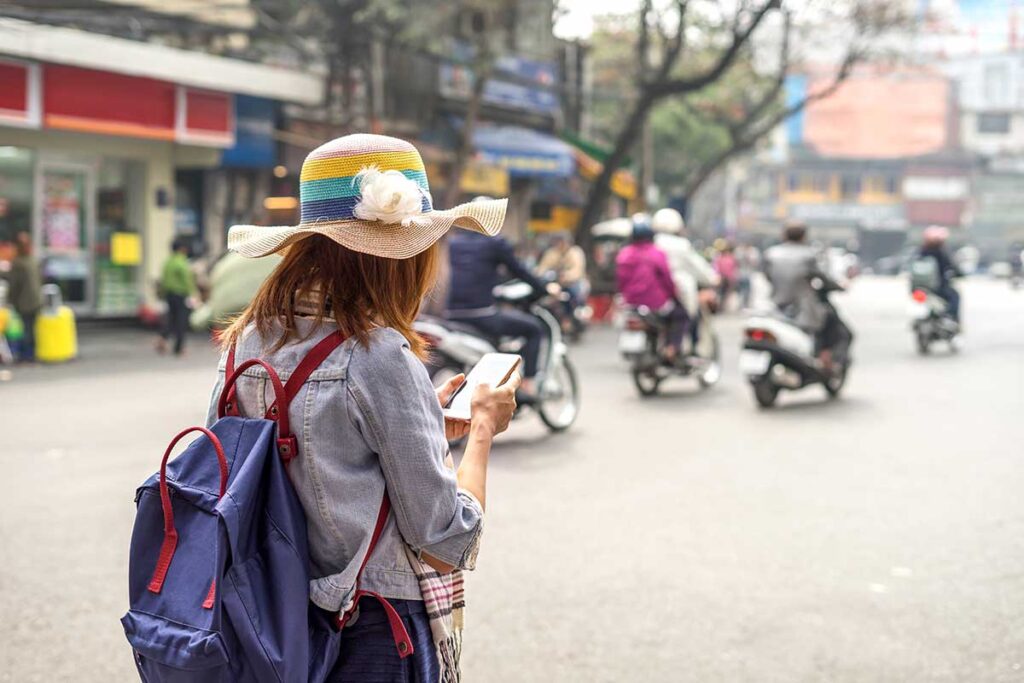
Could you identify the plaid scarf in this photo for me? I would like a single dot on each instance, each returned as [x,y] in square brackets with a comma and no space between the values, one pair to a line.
[444,600]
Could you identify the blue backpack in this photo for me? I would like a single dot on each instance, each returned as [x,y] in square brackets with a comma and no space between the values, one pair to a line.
[219,565]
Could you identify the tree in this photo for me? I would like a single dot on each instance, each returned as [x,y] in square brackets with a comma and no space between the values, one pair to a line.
[469,33]
[705,67]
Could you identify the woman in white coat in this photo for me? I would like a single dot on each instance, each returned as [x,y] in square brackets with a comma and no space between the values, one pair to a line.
[690,271]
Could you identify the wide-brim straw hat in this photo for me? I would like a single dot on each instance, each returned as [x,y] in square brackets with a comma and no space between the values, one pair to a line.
[368,193]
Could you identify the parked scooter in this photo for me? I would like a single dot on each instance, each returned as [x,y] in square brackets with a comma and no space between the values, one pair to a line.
[642,343]
[932,322]
[778,354]
[456,347]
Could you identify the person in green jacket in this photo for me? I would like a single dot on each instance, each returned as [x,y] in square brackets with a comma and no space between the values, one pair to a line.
[26,283]
[178,285]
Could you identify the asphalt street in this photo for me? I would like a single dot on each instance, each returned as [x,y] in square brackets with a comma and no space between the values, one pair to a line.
[689,537]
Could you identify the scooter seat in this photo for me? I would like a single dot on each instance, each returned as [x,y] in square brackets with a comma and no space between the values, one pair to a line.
[467,328]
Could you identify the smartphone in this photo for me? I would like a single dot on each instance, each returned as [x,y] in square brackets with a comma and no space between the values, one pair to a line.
[494,369]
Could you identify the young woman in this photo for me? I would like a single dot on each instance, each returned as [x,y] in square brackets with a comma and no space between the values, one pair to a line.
[367,421]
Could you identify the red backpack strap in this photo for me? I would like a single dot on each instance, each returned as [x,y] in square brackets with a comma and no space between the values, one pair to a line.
[317,355]
[163,563]
[289,448]
[287,444]
[398,631]
[229,368]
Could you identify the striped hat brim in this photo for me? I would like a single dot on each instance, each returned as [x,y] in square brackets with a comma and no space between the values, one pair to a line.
[389,240]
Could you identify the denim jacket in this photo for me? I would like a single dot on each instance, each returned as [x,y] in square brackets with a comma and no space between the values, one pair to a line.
[367,418]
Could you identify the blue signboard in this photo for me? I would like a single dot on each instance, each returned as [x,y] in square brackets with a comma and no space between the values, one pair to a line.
[517,82]
[255,118]
[796,91]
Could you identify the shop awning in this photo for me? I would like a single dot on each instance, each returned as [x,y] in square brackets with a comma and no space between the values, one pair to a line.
[623,182]
[524,152]
[590,159]
[85,50]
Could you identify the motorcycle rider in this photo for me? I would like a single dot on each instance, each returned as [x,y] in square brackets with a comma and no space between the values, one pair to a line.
[792,267]
[693,275]
[569,264]
[645,279]
[479,264]
[934,247]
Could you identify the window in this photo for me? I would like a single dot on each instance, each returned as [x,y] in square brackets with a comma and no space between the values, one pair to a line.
[793,182]
[892,184]
[997,84]
[994,123]
[118,244]
[849,185]
[15,196]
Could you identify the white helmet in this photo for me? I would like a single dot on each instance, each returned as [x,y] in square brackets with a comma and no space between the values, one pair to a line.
[668,220]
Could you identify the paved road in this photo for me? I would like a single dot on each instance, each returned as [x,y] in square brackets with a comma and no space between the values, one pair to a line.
[685,538]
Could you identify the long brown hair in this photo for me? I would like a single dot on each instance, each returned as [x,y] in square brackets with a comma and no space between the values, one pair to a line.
[362,291]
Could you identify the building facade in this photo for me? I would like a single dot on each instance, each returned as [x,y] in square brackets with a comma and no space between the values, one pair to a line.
[99,137]
[880,156]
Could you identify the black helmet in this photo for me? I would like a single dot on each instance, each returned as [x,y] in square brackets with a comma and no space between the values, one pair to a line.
[643,231]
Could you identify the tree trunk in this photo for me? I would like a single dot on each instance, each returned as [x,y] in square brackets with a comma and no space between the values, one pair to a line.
[600,190]
[706,170]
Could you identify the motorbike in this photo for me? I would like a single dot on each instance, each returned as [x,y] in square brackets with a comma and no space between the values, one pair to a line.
[457,346]
[642,343]
[778,354]
[573,316]
[931,321]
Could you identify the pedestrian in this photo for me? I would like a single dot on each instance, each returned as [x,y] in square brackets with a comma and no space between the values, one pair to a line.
[749,262]
[26,284]
[368,420]
[177,286]
[728,271]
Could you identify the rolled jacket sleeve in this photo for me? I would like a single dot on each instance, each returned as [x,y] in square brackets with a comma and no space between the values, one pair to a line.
[403,423]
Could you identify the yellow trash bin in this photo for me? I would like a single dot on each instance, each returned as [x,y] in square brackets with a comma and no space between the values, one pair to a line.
[56,335]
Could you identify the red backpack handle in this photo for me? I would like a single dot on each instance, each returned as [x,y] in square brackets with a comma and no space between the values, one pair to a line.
[170,533]
[280,398]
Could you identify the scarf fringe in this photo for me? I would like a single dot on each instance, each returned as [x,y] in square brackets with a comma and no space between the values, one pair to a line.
[449,652]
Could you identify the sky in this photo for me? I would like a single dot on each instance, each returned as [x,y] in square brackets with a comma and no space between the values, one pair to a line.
[578,20]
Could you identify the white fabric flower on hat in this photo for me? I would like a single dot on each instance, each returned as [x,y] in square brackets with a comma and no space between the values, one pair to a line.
[388,197]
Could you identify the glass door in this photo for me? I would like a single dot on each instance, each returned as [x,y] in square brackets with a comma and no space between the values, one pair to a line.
[65,214]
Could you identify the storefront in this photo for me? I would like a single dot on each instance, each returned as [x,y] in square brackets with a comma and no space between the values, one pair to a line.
[87,171]
[540,167]
[96,157]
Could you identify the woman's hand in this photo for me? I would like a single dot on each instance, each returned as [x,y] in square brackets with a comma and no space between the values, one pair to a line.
[453,429]
[492,408]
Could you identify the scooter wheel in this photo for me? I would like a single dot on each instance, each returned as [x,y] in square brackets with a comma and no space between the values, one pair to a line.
[559,415]
[923,343]
[836,384]
[709,376]
[765,393]
[647,381]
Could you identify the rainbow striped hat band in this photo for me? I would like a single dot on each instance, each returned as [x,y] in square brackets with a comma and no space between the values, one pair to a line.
[369,193]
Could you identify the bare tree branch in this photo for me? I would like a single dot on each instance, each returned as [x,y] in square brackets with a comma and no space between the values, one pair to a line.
[778,83]
[747,136]
[740,37]
[674,45]
[643,43]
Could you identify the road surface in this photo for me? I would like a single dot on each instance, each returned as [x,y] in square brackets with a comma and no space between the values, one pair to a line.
[691,537]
